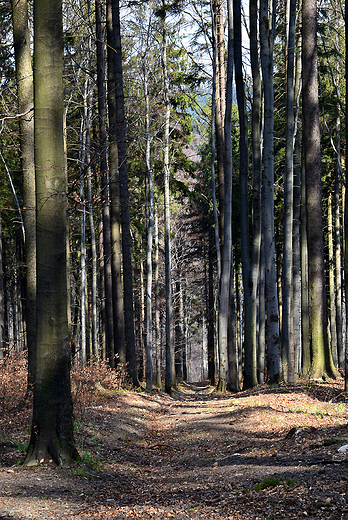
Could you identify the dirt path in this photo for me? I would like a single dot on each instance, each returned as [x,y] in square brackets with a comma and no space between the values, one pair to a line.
[193,455]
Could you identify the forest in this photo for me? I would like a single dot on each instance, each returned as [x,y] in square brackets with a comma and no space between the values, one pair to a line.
[173,195]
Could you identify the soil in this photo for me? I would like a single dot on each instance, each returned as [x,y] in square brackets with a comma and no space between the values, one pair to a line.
[191,455]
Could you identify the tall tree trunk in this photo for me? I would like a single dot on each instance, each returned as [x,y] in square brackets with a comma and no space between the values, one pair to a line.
[321,362]
[157,311]
[296,294]
[297,322]
[170,368]
[108,306]
[224,296]
[124,197]
[94,274]
[250,360]
[149,340]
[25,92]
[211,312]
[251,335]
[250,363]
[114,179]
[288,361]
[338,248]
[83,268]
[332,281]
[213,138]
[261,352]
[267,21]
[220,107]
[305,328]
[52,425]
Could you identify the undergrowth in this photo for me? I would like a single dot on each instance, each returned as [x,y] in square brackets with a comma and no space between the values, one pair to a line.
[88,384]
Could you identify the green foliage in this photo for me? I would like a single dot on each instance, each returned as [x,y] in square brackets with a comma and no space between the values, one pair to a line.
[86,466]
[331,442]
[267,482]
[274,482]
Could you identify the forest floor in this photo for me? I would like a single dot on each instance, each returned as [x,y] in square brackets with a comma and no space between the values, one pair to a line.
[269,453]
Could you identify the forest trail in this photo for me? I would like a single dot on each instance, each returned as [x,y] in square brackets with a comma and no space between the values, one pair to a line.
[192,455]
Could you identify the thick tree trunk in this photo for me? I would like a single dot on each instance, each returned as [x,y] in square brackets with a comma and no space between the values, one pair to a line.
[321,362]
[114,179]
[52,425]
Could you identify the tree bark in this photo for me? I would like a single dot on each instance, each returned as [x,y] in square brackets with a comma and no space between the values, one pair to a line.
[124,198]
[104,174]
[25,92]
[224,293]
[321,361]
[220,108]
[150,226]
[288,368]
[114,179]
[157,310]
[170,368]
[52,424]
[267,21]
[251,334]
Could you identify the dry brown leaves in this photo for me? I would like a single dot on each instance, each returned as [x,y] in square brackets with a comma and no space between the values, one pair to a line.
[190,456]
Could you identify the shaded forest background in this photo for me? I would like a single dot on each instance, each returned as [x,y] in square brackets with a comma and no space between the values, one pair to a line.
[178,61]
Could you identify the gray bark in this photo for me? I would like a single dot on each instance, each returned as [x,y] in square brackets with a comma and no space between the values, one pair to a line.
[224,293]
[251,335]
[288,360]
[267,21]
[52,425]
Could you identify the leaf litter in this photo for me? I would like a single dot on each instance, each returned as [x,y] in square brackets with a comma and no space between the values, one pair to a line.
[262,454]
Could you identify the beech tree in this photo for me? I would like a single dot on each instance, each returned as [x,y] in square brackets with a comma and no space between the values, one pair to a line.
[225,283]
[52,424]
[321,360]
[267,28]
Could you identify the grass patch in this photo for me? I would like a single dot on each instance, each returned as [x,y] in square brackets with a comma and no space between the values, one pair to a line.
[275,482]
[268,482]
[331,442]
